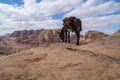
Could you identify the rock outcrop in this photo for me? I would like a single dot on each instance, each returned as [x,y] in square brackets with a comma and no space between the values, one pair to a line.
[49,36]
[36,37]
[94,35]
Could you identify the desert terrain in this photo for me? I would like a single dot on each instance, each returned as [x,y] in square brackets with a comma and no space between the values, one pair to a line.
[54,60]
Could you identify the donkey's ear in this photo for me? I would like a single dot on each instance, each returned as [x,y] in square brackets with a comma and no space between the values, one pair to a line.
[64,19]
[72,18]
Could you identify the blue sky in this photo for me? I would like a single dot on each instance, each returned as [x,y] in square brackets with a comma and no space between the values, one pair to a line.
[101,15]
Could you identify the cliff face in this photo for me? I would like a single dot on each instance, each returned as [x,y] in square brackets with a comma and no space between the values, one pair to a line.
[49,36]
[36,37]
[26,33]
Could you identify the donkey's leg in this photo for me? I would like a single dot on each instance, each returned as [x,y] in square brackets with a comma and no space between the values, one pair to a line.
[68,36]
[78,37]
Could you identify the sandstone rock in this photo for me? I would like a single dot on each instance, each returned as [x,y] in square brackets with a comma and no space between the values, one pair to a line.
[94,35]
[36,36]
[49,36]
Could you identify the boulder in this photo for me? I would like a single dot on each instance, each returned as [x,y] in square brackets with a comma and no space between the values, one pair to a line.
[49,36]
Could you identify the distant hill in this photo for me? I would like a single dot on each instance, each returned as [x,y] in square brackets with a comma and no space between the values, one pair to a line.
[36,37]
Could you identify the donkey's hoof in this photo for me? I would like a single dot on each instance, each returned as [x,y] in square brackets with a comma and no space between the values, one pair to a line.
[77,44]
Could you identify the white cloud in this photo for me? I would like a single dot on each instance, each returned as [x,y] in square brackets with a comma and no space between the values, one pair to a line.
[90,8]
[101,21]
[51,7]
[32,15]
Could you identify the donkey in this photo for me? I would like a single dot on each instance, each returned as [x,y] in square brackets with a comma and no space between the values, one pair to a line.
[70,24]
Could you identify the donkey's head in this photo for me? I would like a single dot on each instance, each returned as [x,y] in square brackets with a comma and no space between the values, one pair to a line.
[67,21]
[61,34]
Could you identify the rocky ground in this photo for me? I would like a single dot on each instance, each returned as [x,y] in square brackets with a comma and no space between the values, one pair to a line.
[99,60]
